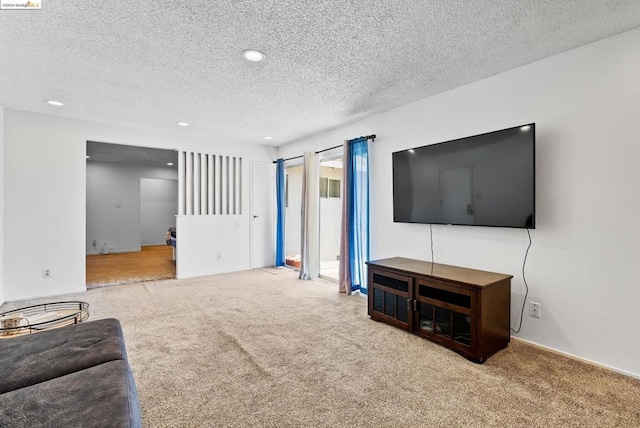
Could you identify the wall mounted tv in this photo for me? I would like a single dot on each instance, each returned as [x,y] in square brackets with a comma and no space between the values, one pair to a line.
[483,180]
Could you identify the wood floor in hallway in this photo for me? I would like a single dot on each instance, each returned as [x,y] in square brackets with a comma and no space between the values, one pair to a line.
[152,263]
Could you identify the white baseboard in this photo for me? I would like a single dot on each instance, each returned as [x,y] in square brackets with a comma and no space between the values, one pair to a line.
[46,296]
[575,357]
[136,250]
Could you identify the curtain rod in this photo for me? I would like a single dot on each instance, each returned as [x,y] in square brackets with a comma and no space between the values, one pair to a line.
[371,137]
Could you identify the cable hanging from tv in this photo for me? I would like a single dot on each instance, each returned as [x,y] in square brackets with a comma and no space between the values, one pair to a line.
[371,137]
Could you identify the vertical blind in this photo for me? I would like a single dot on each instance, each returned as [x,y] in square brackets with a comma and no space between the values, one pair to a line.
[209,184]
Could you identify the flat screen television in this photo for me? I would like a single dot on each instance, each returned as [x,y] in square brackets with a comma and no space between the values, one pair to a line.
[482,180]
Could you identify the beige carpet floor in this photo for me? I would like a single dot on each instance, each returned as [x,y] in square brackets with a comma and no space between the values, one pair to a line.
[263,350]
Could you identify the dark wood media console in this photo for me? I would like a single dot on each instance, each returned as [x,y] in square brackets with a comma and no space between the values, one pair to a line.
[465,310]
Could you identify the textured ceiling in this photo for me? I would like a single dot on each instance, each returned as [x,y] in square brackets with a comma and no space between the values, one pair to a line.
[328,62]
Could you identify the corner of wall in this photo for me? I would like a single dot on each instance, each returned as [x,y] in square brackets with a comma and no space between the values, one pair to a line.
[1,204]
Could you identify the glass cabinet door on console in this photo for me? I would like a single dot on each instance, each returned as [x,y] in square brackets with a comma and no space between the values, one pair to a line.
[390,298]
[444,312]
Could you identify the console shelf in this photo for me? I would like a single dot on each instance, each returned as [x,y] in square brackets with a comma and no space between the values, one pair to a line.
[465,310]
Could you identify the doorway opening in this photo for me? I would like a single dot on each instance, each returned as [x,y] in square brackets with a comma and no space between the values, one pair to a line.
[131,205]
[330,216]
[331,174]
[292,218]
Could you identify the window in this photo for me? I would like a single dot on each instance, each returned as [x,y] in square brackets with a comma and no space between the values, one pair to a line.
[334,188]
[329,188]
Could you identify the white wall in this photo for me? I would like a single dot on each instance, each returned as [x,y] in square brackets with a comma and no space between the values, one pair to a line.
[582,267]
[158,209]
[45,194]
[114,204]
[1,201]
[212,244]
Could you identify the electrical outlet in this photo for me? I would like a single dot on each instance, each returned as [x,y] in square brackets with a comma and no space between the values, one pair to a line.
[94,242]
[534,309]
[219,256]
[46,273]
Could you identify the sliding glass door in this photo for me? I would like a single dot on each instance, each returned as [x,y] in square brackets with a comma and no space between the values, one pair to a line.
[330,207]
[330,217]
[293,209]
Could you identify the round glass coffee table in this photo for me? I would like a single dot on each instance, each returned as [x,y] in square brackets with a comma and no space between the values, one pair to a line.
[32,319]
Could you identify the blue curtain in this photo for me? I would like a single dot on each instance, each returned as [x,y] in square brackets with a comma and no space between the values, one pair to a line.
[280,201]
[357,164]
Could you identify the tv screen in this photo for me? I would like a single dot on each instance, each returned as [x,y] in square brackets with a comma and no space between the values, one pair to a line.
[483,180]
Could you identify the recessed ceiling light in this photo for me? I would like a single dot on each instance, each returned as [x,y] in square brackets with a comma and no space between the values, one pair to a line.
[54,103]
[268,138]
[525,128]
[253,55]
[411,151]
[170,163]
[182,124]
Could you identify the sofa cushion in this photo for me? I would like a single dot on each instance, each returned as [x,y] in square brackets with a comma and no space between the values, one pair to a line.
[38,357]
[101,396]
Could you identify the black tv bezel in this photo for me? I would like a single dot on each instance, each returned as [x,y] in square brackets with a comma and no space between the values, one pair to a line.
[533,222]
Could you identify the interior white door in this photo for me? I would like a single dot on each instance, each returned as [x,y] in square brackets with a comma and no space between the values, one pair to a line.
[456,195]
[262,215]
